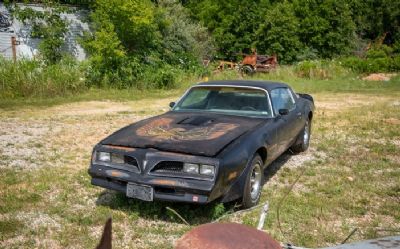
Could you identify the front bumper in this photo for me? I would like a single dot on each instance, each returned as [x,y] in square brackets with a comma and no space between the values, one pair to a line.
[165,188]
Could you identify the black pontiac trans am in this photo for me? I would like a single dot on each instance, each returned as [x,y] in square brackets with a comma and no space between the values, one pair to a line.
[213,144]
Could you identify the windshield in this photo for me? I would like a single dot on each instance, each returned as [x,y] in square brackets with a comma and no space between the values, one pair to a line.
[227,100]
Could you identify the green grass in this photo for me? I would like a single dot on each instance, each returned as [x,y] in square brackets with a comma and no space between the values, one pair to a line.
[350,178]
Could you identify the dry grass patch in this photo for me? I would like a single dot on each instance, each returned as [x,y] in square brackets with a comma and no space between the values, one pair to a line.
[350,178]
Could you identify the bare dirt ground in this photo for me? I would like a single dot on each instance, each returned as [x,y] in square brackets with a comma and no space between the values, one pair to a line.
[48,150]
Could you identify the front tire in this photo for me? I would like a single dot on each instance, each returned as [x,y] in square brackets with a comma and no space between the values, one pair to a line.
[303,141]
[253,186]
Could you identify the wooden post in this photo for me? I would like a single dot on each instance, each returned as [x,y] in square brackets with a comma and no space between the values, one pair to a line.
[14,47]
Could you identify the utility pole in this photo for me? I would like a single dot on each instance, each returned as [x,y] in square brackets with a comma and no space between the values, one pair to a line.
[14,48]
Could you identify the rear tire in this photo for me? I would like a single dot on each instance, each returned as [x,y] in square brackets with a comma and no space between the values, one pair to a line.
[303,140]
[254,181]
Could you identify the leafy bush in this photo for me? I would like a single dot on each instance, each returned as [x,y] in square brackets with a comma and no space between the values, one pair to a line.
[133,41]
[164,77]
[374,64]
[27,78]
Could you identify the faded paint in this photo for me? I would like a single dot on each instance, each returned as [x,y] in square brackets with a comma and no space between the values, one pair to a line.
[195,134]
[224,236]
[116,173]
[128,149]
[232,175]
[161,129]
[165,182]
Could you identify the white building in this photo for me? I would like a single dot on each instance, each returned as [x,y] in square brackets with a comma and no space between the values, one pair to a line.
[28,47]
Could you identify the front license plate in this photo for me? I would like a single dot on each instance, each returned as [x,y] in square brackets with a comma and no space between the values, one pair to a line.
[141,192]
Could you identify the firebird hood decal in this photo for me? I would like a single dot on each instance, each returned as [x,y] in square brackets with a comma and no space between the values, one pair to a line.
[164,128]
[197,134]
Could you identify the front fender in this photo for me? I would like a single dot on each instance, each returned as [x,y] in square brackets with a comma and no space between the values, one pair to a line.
[237,159]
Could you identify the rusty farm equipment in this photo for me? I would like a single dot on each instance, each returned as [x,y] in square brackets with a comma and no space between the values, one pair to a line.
[251,63]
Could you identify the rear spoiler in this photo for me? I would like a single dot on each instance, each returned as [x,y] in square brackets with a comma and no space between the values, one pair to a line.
[306,96]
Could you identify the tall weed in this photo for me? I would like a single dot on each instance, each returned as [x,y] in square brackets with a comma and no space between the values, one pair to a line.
[31,78]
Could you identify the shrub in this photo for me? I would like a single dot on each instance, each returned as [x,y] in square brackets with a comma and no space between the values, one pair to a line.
[134,40]
[395,65]
[372,64]
[163,77]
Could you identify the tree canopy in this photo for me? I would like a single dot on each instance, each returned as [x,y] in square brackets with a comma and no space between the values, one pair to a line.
[297,29]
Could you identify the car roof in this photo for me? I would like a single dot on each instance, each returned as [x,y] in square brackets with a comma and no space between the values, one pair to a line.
[266,85]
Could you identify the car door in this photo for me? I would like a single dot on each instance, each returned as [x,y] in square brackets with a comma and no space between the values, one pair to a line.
[282,98]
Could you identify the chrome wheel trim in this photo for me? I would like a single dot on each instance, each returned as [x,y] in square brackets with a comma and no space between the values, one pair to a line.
[255,181]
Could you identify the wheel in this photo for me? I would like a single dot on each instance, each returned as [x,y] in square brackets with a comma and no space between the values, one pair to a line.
[303,140]
[253,186]
[248,70]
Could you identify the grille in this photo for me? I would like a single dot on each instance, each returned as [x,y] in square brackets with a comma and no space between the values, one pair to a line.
[132,162]
[119,159]
[168,166]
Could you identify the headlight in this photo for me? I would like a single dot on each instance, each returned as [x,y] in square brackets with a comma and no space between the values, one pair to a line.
[117,158]
[191,168]
[103,156]
[202,169]
[207,170]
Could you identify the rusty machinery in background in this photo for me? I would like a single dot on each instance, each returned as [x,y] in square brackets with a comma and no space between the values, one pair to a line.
[251,63]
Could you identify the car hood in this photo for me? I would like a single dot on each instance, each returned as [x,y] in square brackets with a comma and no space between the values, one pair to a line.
[189,133]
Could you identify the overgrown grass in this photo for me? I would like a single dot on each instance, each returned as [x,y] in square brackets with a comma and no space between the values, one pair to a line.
[350,173]
[29,83]
[30,78]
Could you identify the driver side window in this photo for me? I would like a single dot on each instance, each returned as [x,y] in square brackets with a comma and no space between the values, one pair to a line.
[282,99]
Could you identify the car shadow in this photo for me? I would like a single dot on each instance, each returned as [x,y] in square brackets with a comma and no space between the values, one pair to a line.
[159,210]
[194,214]
[276,165]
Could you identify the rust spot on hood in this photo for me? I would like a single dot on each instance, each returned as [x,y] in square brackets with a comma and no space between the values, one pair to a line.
[119,148]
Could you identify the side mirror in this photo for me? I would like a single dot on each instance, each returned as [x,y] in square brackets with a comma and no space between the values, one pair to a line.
[172,104]
[284,111]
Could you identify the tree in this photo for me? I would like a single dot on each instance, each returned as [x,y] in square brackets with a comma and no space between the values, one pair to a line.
[278,34]
[373,18]
[183,40]
[233,24]
[326,26]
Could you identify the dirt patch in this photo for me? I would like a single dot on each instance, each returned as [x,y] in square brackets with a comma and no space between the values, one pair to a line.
[21,142]
[37,220]
[59,134]
[343,101]
[90,108]
[379,77]
[393,121]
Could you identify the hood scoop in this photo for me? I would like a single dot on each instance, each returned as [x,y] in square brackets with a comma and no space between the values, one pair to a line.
[196,121]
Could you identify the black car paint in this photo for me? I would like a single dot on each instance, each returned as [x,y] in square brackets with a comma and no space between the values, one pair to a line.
[180,131]
[270,138]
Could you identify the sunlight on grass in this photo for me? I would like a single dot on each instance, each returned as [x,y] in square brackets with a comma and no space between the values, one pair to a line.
[350,175]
